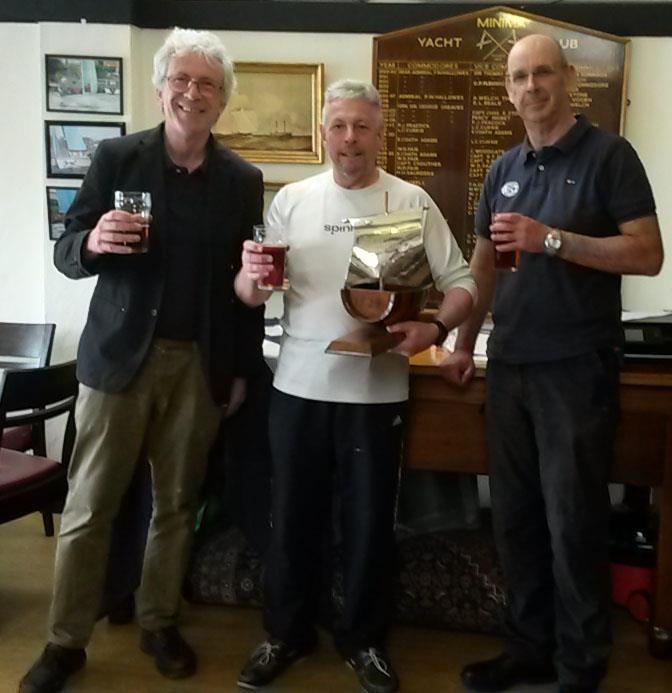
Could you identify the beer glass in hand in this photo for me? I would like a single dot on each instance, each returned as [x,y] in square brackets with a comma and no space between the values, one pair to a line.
[274,245]
[136,203]
[505,259]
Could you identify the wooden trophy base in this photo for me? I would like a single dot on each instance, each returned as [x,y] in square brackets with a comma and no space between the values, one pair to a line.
[368,341]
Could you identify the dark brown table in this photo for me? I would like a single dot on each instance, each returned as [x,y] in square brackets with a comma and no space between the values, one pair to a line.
[446,432]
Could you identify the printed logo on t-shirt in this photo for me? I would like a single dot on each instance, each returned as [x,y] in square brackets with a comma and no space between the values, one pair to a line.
[337,228]
[510,188]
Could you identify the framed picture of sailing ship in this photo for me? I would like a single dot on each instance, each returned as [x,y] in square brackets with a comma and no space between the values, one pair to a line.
[274,114]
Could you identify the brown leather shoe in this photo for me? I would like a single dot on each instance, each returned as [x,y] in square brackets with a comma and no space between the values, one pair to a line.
[172,655]
[504,671]
[52,669]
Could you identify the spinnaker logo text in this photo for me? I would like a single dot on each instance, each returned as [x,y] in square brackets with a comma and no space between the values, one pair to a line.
[331,229]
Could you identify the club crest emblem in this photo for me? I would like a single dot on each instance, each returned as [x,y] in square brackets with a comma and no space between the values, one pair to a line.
[510,188]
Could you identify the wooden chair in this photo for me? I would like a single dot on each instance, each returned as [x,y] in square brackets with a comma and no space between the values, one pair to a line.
[24,345]
[34,483]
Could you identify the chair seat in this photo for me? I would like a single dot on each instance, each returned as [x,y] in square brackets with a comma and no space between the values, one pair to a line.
[18,469]
[17,438]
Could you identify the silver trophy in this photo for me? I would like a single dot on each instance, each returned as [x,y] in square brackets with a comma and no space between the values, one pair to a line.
[388,279]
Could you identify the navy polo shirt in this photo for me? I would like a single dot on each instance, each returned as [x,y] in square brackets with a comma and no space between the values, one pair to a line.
[587,182]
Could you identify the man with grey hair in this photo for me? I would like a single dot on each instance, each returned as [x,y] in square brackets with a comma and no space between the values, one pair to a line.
[573,203]
[336,421]
[167,346]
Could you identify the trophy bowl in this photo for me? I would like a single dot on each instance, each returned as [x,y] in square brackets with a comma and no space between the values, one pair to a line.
[387,282]
[387,306]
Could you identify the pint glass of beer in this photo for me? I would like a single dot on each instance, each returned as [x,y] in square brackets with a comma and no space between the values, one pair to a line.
[505,259]
[136,203]
[274,245]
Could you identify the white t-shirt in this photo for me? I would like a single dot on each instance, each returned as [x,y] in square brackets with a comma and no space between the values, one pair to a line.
[311,213]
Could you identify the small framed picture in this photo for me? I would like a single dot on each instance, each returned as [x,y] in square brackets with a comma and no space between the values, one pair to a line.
[72,144]
[84,84]
[58,203]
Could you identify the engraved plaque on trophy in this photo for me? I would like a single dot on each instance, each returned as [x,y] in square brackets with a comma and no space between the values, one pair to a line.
[388,280]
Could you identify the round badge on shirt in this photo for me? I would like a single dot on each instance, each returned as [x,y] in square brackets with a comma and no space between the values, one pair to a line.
[510,188]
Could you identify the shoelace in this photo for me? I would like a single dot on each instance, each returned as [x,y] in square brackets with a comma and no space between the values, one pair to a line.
[264,652]
[375,657]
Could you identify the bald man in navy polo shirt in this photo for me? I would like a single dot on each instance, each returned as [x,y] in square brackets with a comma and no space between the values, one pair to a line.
[575,204]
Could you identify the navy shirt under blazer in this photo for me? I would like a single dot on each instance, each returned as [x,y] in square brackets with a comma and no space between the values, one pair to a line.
[186,199]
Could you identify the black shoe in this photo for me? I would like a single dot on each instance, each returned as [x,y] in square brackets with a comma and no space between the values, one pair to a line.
[123,612]
[576,688]
[374,671]
[52,669]
[173,656]
[502,672]
[268,661]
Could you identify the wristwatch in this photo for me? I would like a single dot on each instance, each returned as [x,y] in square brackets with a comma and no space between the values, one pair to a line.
[553,242]
[443,332]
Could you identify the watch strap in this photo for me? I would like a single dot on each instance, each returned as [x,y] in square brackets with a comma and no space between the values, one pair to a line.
[443,332]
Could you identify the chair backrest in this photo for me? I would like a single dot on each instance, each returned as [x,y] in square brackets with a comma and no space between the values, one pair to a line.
[33,395]
[23,342]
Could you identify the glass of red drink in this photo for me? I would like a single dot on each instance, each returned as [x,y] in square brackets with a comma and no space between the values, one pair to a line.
[275,245]
[136,203]
[505,259]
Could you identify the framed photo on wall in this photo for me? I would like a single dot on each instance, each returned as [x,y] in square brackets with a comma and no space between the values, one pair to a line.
[72,144]
[58,203]
[274,114]
[84,84]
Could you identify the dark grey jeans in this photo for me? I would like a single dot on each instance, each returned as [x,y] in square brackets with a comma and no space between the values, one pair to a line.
[550,430]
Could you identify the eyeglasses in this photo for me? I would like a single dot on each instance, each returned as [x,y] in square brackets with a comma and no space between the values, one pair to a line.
[181,84]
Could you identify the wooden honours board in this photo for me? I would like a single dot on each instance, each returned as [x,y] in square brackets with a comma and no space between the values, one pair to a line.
[447,115]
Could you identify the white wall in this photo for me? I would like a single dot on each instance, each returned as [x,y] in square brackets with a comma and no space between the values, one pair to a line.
[22,190]
[647,126]
[66,301]
[31,289]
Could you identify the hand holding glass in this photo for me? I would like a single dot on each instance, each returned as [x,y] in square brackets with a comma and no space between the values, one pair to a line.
[274,245]
[136,203]
[505,259]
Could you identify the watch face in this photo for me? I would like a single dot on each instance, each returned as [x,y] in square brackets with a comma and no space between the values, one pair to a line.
[553,240]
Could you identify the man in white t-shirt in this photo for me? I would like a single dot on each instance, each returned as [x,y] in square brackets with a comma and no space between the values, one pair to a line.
[336,421]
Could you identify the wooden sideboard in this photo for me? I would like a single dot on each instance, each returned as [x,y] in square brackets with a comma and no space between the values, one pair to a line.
[445,432]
